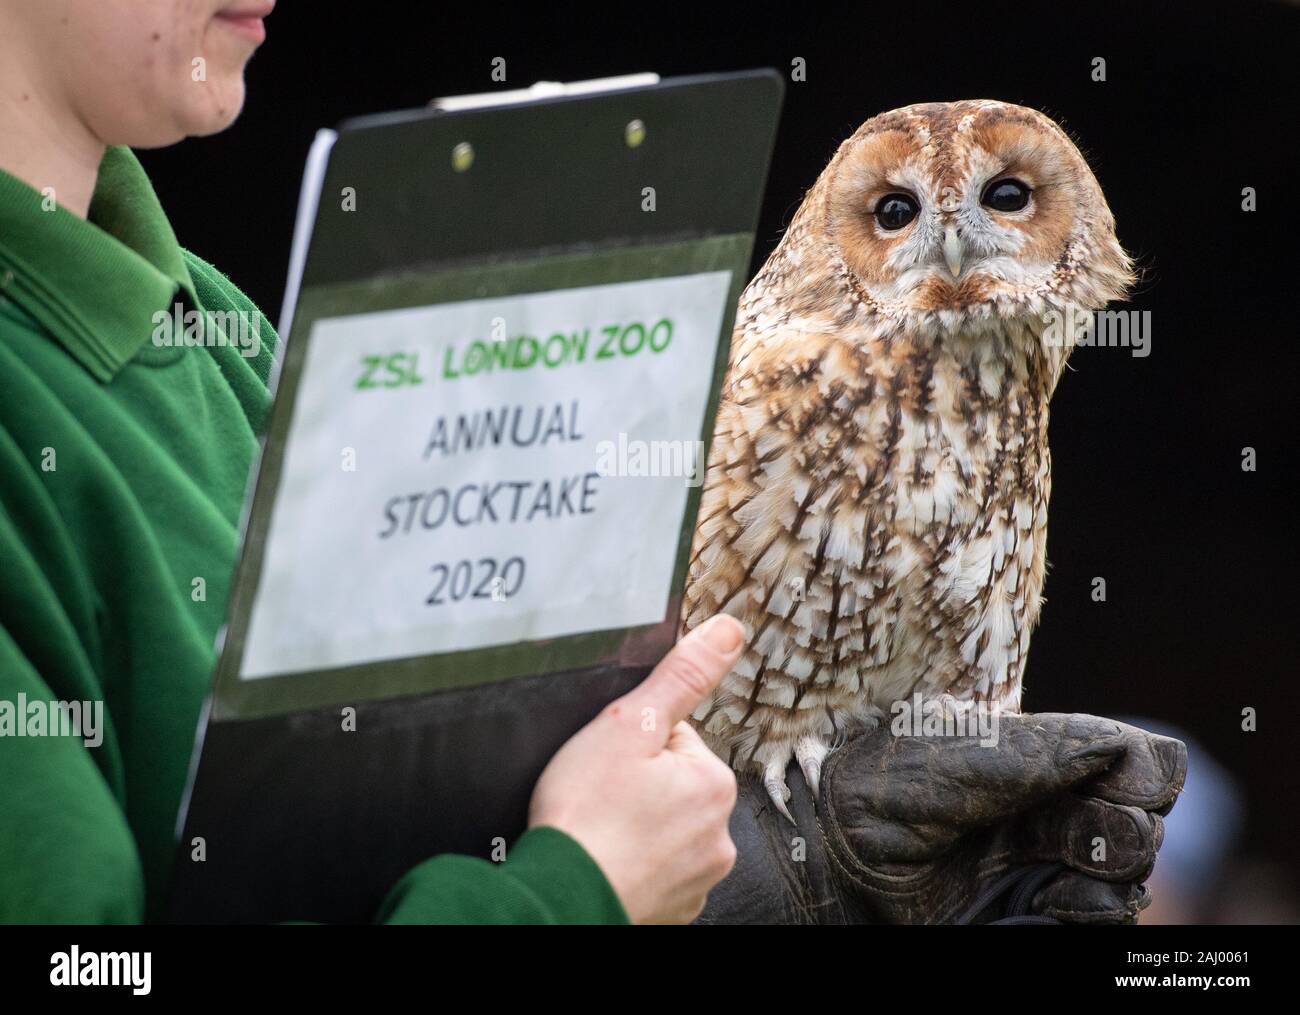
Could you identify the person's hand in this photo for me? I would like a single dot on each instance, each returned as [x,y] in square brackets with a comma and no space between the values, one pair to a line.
[926,828]
[1059,820]
[640,791]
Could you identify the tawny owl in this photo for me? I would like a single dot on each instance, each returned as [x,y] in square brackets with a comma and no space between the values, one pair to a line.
[875,507]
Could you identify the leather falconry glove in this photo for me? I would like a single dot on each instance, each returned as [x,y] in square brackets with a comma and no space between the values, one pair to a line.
[1058,821]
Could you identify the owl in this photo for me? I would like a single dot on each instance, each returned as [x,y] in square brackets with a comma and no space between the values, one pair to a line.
[875,507]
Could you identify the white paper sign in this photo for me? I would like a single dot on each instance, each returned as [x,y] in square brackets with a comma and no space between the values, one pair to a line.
[486,472]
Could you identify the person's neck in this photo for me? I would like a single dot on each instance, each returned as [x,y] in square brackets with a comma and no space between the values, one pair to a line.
[44,143]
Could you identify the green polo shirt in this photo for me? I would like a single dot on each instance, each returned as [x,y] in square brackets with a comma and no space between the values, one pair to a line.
[124,454]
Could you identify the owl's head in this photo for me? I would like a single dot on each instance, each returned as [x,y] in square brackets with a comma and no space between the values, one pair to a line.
[948,214]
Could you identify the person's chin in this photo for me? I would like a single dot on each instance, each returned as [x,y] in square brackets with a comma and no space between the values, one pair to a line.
[218,109]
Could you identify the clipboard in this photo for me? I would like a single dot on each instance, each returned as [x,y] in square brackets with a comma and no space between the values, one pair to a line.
[504,315]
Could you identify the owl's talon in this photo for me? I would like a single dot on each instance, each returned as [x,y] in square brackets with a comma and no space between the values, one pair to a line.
[810,752]
[774,783]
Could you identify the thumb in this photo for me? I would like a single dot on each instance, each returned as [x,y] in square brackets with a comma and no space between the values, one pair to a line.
[692,669]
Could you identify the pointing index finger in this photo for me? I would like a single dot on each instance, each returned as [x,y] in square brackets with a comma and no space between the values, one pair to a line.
[692,669]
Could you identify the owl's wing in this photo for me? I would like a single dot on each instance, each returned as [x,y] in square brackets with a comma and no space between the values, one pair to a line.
[787,423]
[779,544]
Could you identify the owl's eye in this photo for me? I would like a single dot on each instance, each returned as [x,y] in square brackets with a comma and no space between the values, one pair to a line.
[893,211]
[1006,195]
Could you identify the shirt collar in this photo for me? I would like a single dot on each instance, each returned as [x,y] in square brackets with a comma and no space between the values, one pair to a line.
[95,284]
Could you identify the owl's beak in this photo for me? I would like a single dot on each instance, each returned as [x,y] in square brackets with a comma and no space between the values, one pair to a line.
[952,249]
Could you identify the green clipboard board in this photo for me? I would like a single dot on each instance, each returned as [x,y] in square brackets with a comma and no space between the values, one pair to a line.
[505,331]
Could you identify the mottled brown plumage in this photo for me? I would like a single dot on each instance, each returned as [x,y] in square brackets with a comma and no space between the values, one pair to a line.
[875,510]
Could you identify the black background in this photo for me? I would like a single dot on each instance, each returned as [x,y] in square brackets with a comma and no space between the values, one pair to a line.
[1199,102]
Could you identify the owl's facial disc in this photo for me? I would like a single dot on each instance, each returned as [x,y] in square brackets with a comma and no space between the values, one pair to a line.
[962,209]
[952,242]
